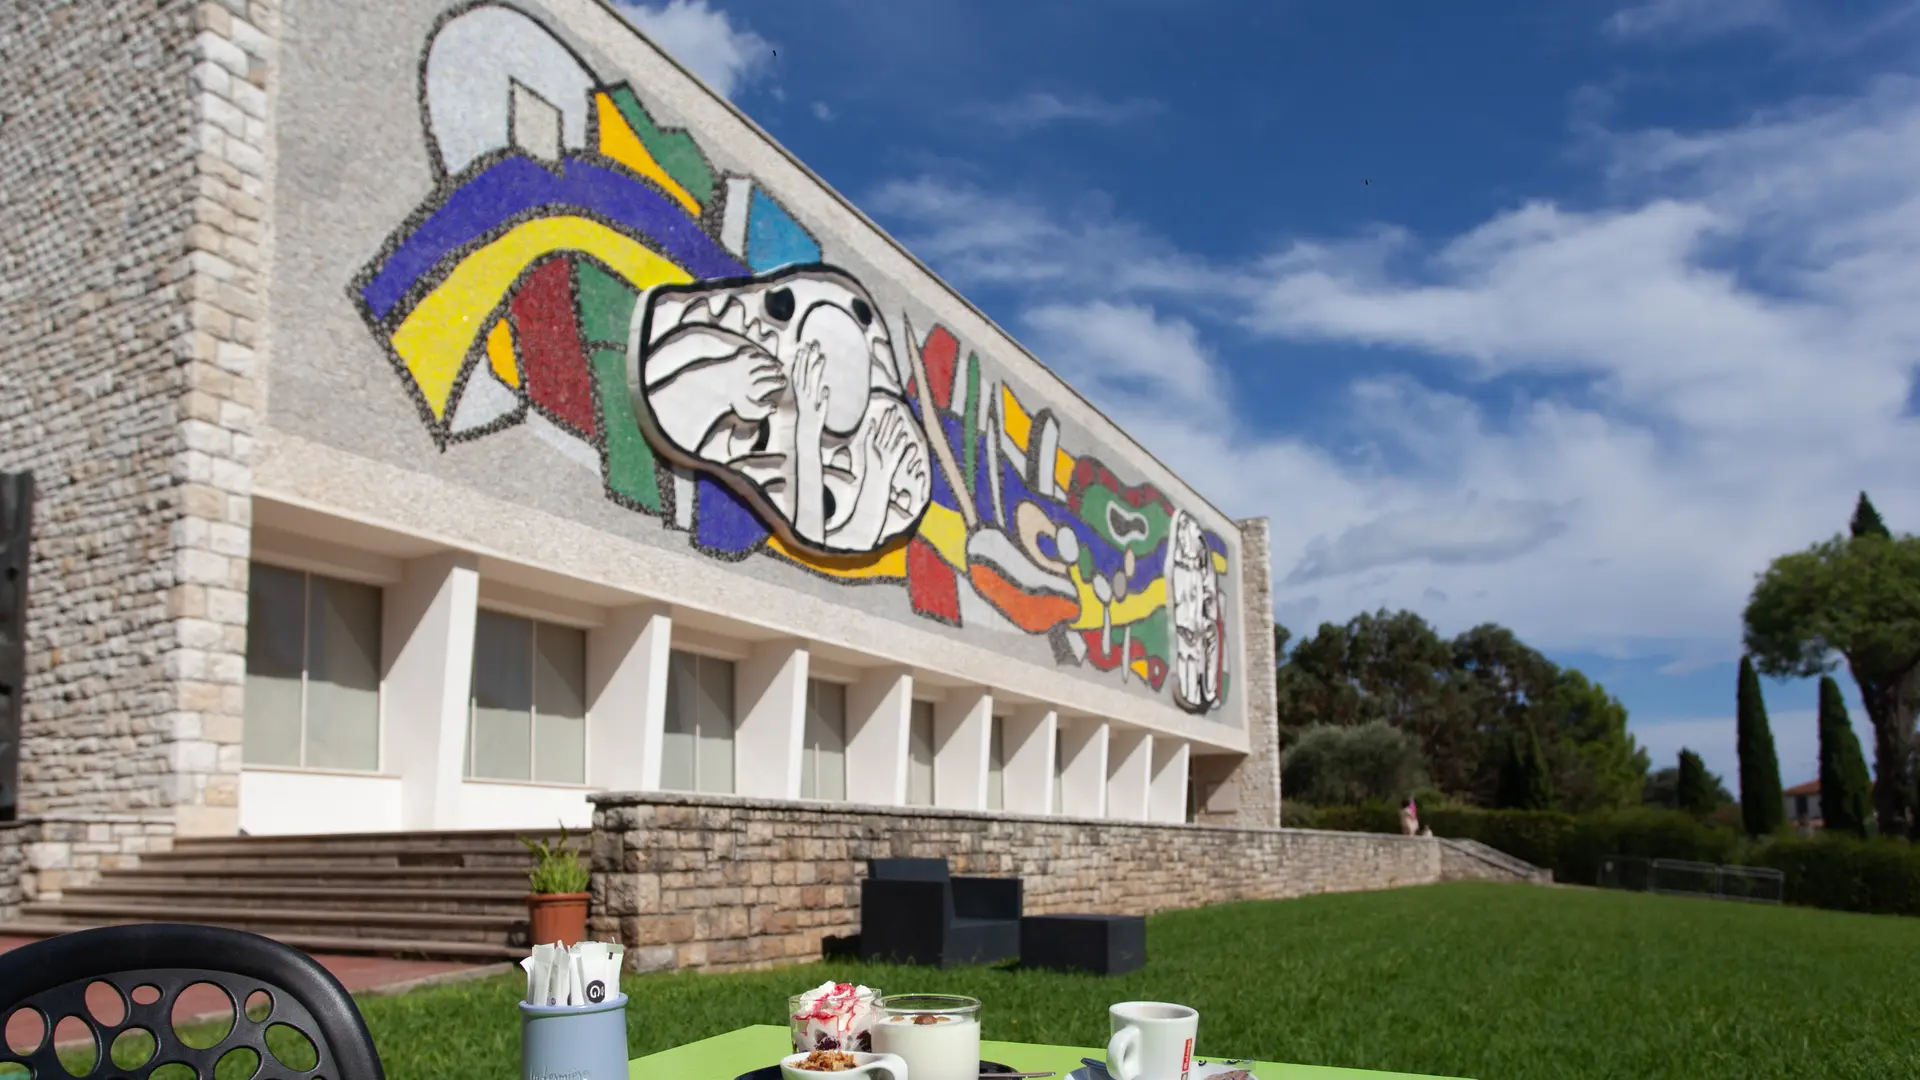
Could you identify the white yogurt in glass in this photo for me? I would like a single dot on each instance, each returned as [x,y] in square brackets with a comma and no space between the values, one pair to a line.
[938,1037]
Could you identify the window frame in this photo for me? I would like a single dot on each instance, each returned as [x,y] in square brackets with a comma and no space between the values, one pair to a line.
[306,577]
[533,705]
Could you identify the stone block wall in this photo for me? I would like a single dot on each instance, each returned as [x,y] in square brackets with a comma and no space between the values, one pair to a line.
[719,883]
[1245,792]
[40,858]
[132,256]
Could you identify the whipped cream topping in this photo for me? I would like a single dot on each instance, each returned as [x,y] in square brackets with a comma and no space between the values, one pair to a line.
[835,1016]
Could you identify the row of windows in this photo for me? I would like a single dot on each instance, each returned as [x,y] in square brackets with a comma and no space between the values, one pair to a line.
[313,700]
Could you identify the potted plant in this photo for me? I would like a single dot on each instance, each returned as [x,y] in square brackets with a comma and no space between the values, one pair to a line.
[557,902]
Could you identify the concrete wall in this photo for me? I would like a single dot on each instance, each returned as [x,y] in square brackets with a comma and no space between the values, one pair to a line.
[708,883]
[454,360]
[132,188]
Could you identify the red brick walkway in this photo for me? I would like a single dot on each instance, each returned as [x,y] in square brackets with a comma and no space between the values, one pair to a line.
[359,974]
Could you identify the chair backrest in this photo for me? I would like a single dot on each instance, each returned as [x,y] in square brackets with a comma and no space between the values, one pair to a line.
[907,869]
[51,977]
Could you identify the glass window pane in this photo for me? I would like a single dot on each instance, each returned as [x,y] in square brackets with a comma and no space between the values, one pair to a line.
[343,675]
[996,764]
[677,746]
[920,755]
[823,772]
[713,764]
[559,705]
[276,635]
[502,735]
[1059,770]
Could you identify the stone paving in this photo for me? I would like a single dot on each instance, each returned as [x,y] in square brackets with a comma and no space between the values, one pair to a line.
[359,974]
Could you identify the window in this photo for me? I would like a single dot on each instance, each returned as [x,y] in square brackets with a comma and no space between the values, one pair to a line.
[1059,770]
[313,672]
[920,755]
[527,718]
[996,763]
[697,750]
[823,758]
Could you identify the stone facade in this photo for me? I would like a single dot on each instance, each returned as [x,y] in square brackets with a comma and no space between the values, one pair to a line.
[40,858]
[133,175]
[1245,791]
[716,883]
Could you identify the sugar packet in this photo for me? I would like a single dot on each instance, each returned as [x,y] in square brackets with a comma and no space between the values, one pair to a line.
[596,971]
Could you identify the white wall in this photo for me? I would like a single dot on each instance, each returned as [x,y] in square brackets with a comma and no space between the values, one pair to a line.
[491,805]
[427,659]
[770,698]
[1083,743]
[1167,788]
[962,730]
[627,662]
[275,802]
[1129,761]
[1028,738]
[879,710]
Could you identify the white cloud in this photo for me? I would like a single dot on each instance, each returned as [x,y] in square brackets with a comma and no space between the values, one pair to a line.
[1038,110]
[1691,378]
[1693,19]
[822,112]
[704,39]
[1796,744]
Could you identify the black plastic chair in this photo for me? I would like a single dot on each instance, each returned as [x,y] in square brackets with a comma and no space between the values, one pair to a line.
[51,977]
[913,912]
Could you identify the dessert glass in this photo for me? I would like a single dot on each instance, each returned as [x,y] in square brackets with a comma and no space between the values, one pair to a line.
[937,1035]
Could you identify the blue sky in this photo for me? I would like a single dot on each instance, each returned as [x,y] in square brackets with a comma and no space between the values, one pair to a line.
[1568,317]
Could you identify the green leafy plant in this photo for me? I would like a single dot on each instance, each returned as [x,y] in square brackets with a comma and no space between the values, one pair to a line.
[556,867]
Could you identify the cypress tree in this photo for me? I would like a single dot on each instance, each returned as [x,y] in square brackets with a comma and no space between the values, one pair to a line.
[1526,780]
[1762,803]
[1846,791]
[1695,789]
[1866,520]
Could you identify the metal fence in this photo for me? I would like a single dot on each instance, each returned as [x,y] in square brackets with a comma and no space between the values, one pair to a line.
[1678,877]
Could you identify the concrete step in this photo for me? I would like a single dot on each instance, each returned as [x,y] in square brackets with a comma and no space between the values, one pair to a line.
[496,841]
[317,944]
[454,901]
[333,857]
[304,875]
[405,926]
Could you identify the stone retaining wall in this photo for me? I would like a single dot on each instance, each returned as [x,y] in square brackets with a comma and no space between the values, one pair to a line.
[41,857]
[718,883]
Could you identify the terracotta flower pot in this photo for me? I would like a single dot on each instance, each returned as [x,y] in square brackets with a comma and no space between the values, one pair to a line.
[557,917]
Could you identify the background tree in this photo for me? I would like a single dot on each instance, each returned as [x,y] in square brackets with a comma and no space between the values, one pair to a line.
[1526,780]
[1347,766]
[1596,764]
[1762,801]
[1866,520]
[1696,790]
[1856,599]
[1663,789]
[1845,791]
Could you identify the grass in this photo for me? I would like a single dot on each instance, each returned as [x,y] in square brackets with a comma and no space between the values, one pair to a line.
[1496,982]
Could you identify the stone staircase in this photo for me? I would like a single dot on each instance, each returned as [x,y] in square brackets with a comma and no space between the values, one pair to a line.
[442,895]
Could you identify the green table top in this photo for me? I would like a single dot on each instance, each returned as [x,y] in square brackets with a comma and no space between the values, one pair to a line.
[725,1057]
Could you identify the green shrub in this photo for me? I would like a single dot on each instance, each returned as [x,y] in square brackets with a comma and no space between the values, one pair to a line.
[1879,876]
[1330,765]
[1643,832]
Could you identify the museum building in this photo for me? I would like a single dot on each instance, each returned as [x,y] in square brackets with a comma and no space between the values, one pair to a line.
[437,413]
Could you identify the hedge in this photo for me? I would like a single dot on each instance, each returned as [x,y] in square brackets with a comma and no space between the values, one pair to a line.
[1842,873]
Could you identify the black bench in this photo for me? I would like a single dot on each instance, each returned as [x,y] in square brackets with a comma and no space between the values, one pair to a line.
[1102,944]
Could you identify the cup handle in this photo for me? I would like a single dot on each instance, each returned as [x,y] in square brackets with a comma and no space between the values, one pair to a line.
[892,1066]
[1123,1054]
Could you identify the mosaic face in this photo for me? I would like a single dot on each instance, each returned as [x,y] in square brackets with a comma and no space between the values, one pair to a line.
[1195,592]
[787,387]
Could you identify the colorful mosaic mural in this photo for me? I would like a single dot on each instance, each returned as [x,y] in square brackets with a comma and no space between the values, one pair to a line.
[588,274]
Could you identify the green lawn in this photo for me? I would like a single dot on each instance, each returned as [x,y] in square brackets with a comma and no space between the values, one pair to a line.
[1497,982]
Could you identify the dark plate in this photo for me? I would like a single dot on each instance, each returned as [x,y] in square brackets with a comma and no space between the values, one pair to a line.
[772,1072]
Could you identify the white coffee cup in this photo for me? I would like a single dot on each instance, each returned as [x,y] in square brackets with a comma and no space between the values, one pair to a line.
[1152,1040]
[890,1066]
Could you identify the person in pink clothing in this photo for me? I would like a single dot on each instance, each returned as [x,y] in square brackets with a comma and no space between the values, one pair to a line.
[1409,819]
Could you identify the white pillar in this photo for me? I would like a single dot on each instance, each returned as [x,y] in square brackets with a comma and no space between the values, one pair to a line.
[1167,790]
[1028,738]
[627,660]
[962,728]
[770,695]
[426,645]
[879,712]
[1083,775]
[1129,758]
